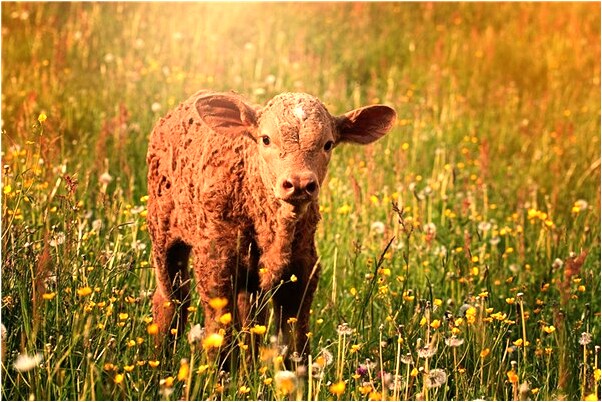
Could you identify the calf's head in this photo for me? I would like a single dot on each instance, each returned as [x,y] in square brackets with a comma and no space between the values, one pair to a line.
[295,136]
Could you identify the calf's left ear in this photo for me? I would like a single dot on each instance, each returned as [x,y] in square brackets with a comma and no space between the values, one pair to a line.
[366,124]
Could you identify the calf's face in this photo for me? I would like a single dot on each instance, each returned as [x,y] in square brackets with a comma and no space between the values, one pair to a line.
[295,136]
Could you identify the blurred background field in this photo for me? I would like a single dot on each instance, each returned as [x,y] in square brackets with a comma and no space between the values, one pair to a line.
[462,251]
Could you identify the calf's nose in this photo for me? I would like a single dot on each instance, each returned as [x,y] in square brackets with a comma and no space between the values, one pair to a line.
[299,185]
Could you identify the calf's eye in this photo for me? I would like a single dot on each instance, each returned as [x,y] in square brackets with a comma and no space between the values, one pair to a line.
[266,140]
[328,146]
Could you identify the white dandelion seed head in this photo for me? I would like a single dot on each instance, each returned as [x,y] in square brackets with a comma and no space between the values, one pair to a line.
[344,329]
[454,342]
[25,363]
[196,334]
[436,378]
[377,227]
[156,107]
[585,338]
[557,264]
[105,178]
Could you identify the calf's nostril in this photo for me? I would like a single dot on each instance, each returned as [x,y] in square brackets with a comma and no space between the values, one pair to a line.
[311,187]
[287,185]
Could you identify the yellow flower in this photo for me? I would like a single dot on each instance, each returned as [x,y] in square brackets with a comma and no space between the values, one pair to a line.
[414,372]
[167,382]
[147,320]
[152,329]
[549,329]
[345,209]
[214,340]
[436,324]
[129,368]
[338,388]
[471,315]
[485,353]
[123,316]
[225,319]
[291,320]
[218,303]
[7,189]
[118,378]
[510,300]
[184,370]
[153,363]
[422,321]
[518,342]
[48,296]
[285,381]
[591,397]
[258,329]
[597,375]
[294,278]
[244,389]
[512,377]
[85,291]
[42,117]
[131,343]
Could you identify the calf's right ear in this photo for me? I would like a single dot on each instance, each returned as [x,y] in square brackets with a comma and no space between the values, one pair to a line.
[226,114]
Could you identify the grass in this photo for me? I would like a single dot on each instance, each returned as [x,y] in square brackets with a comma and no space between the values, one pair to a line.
[461,254]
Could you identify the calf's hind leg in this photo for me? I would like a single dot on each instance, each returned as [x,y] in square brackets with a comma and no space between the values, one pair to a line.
[173,288]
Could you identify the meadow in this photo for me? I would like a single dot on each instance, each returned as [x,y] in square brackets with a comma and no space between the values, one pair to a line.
[460,254]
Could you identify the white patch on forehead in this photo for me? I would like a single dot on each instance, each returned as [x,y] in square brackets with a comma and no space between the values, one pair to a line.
[299,112]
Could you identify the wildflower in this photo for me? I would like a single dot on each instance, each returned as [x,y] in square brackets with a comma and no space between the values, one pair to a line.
[244,389]
[218,303]
[85,291]
[484,227]
[414,372]
[454,342]
[123,316]
[344,329]
[156,107]
[118,378]
[129,368]
[338,388]
[345,209]
[436,378]
[294,278]
[259,329]
[48,296]
[131,343]
[512,376]
[591,397]
[214,340]
[426,352]
[152,329]
[585,338]
[580,205]
[510,300]
[548,329]
[184,370]
[105,178]
[377,227]
[485,352]
[225,319]
[153,363]
[430,229]
[471,315]
[42,117]
[407,359]
[285,381]
[25,362]
[436,324]
[167,382]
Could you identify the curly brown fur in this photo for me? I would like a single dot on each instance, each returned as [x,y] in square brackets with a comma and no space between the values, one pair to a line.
[237,186]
